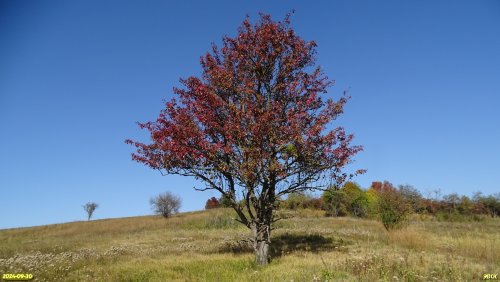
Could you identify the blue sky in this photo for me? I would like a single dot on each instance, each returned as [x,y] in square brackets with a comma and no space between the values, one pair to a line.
[75,76]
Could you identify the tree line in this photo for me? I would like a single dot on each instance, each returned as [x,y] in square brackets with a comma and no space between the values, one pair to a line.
[391,204]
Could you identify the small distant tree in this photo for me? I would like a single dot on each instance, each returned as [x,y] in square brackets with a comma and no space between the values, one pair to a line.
[90,208]
[166,204]
[212,203]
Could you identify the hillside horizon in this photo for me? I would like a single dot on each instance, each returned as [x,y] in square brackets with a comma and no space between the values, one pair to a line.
[209,246]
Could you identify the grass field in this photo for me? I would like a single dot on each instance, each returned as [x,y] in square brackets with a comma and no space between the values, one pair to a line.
[209,246]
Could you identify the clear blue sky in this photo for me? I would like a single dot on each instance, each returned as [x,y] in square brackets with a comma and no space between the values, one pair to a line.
[75,76]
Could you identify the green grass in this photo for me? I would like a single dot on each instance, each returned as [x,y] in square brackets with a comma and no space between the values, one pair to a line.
[210,246]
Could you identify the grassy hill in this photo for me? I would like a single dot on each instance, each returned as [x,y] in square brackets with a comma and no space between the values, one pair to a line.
[209,246]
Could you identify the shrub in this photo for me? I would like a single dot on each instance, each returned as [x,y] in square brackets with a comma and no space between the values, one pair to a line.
[490,203]
[356,200]
[413,197]
[315,203]
[295,201]
[225,202]
[350,199]
[456,216]
[372,202]
[335,202]
[212,203]
[393,209]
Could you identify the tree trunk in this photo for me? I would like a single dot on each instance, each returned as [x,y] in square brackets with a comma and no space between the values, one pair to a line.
[261,235]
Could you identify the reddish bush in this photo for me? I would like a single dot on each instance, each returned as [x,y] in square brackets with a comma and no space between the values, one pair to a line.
[212,203]
[382,187]
[315,203]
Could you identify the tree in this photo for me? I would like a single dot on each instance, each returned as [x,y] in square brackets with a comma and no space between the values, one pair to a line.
[393,209]
[296,200]
[224,201]
[412,196]
[212,203]
[335,202]
[349,199]
[466,206]
[356,200]
[90,208]
[254,125]
[372,198]
[165,204]
[452,201]
[489,204]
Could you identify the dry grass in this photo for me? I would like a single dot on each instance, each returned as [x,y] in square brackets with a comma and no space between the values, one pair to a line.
[209,246]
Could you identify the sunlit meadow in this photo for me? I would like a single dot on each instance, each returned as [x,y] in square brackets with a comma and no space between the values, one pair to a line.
[210,246]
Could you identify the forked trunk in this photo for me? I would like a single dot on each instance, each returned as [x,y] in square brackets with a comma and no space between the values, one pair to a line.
[261,236]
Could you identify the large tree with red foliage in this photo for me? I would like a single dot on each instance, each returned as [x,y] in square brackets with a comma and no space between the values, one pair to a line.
[253,126]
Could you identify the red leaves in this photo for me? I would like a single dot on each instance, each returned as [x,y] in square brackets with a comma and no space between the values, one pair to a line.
[212,203]
[254,98]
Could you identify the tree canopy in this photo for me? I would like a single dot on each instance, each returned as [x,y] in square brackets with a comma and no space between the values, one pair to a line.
[254,124]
